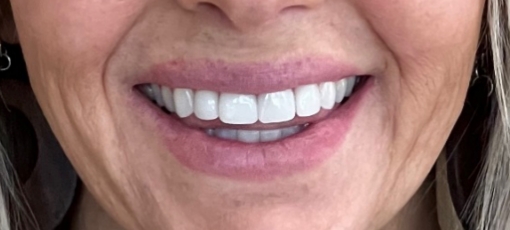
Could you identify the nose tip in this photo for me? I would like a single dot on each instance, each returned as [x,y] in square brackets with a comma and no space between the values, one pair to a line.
[246,14]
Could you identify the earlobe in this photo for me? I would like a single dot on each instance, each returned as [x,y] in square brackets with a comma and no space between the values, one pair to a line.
[8,31]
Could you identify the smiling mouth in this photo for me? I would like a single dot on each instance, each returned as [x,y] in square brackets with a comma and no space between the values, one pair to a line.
[252,121]
[250,118]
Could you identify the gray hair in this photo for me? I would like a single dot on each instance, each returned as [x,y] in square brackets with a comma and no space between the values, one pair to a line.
[14,213]
[10,203]
[5,185]
[489,205]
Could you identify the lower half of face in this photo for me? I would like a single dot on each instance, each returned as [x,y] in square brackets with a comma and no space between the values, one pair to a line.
[306,114]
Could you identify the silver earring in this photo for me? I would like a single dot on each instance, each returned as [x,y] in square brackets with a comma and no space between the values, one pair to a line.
[480,72]
[4,56]
[487,78]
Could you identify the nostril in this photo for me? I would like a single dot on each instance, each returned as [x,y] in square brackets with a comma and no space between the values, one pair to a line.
[208,6]
[246,14]
[297,8]
[200,5]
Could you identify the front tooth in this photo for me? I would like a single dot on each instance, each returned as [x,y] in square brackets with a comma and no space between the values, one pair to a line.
[168,98]
[206,105]
[248,136]
[340,90]
[270,135]
[308,100]
[238,108]
[183,99]
[157,95]
[289,131]
[229,134]
[276,107]
[350,85]
[327,95]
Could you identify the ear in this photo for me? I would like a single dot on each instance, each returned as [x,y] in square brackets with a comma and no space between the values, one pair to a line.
[7,27]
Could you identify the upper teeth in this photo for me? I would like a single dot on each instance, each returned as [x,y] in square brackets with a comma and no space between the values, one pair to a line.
[231,108]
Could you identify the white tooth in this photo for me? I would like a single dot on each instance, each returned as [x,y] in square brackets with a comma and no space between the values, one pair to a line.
[157,95]
[327,95]
[238,108]
[350,85]
[248,136]
[183,99]
[206,105]
[289,131]
[276,107]
[229,134]
[340,90]
[308,100]
[270,135]
[168,98]
[148,91]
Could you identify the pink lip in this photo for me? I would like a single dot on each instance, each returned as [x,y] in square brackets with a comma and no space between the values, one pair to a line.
[253,78]
[252,162]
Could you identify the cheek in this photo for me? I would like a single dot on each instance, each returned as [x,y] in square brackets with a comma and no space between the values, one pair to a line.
[85,28]
[66,45]
[432,44]
[417,27]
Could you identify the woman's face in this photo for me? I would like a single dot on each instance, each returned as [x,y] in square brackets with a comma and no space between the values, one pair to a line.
[351,167]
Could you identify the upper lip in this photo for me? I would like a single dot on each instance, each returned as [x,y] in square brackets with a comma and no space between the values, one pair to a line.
[248,78]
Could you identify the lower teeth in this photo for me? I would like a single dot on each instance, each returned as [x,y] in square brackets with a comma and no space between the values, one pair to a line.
[255,136]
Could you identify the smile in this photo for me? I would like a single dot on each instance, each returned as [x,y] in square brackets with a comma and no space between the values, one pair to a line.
[263,118]
[256,128]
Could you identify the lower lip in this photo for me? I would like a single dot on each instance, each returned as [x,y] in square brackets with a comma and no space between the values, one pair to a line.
[304,151]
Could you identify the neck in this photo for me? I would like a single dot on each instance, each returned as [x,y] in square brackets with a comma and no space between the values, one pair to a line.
[91,216]
[419,213]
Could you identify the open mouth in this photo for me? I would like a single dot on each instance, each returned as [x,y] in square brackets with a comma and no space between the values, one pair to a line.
[252,121]
[250,118]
